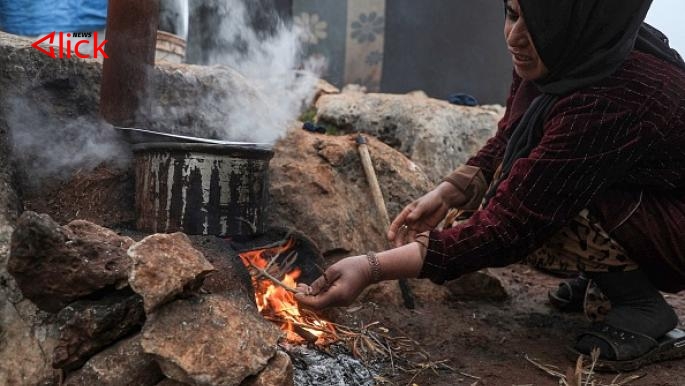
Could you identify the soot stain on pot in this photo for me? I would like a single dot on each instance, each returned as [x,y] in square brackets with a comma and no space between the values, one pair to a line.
[195,214]
[220,191]
[234,210]
[214,217]
[174,215]
[162,193]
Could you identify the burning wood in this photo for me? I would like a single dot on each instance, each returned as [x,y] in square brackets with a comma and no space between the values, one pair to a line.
[274,278]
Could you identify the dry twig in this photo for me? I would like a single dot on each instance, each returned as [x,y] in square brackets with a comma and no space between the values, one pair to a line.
[469,375]
[274,271]
[265,274]
[583,375]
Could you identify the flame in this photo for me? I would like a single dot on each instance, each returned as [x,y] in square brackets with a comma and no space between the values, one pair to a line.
[277,304]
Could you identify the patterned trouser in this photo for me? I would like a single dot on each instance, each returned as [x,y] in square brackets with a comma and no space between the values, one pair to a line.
[582,246]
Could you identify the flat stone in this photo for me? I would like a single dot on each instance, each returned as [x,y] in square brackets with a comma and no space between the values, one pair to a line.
[210,340]
[481,285]
[165,266]
[279,371]
[88,326]
[123,364]
[54,266]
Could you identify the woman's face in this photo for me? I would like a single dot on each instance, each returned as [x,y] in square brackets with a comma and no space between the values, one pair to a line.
[527,63]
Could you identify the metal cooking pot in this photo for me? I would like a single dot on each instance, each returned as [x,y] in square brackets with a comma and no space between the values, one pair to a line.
[201,189]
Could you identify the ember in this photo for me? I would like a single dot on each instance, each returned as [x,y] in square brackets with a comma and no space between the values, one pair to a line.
[273,279]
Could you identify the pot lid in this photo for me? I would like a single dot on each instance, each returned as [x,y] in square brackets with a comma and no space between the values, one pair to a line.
[141,136]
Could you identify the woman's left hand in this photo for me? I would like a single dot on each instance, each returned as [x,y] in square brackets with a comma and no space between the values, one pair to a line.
[340,284]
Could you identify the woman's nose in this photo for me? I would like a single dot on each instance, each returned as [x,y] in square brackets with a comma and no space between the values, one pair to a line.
[518,35]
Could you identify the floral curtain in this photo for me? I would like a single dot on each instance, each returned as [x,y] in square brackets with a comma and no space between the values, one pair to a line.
[349,34]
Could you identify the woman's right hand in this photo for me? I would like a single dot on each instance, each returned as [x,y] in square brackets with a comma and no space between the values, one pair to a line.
[340,284]
[425,213]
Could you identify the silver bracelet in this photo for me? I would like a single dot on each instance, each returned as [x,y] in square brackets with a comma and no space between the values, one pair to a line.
[375,266]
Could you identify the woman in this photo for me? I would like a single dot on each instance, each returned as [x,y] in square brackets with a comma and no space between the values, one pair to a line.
[586,172]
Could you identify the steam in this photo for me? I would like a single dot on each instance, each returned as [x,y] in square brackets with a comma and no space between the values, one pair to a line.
[272,63]
[48,146]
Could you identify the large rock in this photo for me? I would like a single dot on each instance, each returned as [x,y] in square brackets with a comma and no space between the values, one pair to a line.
[435,134]
[56,265]
[88,326]
[278,372]
[318,187]
[210,340]
[124,364]
[27,338]
[164,266]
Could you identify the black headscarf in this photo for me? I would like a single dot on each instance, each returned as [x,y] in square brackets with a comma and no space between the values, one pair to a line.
[581,42]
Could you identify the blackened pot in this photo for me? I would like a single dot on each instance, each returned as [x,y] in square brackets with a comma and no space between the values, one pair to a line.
[201,189]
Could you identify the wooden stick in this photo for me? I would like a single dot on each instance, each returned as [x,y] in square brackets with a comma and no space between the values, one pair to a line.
[407,295]
[279,283]
[304,334]
[373,180]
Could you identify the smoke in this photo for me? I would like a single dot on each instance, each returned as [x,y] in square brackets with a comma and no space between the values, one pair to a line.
[46,145]
[268,53]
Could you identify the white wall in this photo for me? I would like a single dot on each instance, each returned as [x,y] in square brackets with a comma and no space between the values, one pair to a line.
[667,16]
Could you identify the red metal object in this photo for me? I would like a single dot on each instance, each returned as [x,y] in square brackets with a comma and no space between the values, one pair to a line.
[132,35]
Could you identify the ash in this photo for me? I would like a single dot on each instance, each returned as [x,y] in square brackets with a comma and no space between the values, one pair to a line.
[335,367]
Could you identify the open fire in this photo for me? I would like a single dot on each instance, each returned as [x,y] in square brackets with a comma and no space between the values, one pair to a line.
[273,279]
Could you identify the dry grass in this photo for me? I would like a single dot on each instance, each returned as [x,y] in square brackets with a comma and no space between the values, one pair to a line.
[374,344]
[583,374]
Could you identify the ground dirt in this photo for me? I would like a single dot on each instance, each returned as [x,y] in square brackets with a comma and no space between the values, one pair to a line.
[490,340]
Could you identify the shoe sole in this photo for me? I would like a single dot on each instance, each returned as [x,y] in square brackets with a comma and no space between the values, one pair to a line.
[671,346]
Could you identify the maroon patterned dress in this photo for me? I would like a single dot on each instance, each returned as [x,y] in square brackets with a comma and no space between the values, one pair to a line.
[617,148]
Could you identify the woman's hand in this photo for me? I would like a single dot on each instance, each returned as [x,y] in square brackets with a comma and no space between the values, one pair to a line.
[339,286]
[425,213]
[345,280]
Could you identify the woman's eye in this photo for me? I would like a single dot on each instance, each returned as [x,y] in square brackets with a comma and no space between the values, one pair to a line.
[511,14]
